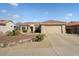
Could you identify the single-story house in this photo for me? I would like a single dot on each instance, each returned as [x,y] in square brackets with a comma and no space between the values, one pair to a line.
[6,25]
[72,27]
[50,26]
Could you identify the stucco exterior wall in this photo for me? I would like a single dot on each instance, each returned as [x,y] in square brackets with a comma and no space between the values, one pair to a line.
[52,29]
[8,27]
[64,28]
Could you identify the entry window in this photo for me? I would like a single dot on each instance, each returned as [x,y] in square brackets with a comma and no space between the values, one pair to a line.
[23,28]
[38,29]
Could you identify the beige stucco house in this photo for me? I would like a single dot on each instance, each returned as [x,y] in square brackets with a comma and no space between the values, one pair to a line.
[6,25]
[50,26]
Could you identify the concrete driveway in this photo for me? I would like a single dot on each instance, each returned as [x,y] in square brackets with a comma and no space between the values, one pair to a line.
[64,44]
[53,45]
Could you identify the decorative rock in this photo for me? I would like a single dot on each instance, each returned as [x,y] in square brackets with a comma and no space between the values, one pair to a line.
[26,40]
[3,45]
[20,41]
[12,44]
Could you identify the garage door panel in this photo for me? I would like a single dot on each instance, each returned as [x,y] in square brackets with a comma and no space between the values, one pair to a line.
[51,29]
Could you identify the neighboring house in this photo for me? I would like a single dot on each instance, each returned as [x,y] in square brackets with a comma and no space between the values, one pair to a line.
[26,26]
[50,26]
[6,25]
[72,27]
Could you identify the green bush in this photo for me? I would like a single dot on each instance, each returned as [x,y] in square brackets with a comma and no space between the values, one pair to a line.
[24,31]
[39,38]
[16,32]
[13,33]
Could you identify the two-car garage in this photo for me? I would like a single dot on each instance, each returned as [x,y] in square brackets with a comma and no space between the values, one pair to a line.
[53,29]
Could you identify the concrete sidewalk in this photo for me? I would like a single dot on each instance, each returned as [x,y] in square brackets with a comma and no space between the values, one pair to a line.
[33,52]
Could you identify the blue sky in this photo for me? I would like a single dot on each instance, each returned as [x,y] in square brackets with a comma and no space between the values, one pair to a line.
[25,12]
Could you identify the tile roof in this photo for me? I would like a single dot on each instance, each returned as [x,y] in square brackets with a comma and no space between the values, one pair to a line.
[53,21]
[45,23]
[28,23]
[3,22]
[72,24]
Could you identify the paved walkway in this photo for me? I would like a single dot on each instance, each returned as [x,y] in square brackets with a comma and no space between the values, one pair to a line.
[53,45]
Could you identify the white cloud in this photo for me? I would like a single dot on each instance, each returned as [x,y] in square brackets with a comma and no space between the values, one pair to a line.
[66,18]
[4,11]
[14,4]
[16,16]
[69,14]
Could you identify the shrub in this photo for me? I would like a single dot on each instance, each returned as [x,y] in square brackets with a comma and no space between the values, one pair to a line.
[16,32]
[13,33]
[39,38]
[24,31]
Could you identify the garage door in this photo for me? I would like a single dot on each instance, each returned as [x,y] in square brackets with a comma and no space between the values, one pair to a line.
[51,29]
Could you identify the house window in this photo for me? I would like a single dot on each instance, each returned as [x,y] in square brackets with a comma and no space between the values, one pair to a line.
[38,29]
[23,28]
